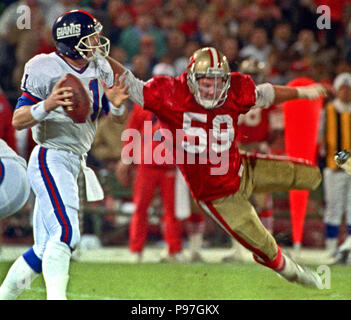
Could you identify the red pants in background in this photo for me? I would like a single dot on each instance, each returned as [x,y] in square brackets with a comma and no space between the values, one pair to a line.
[147,179]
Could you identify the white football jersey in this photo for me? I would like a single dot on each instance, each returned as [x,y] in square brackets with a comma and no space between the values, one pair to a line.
[7,152]
[57,130]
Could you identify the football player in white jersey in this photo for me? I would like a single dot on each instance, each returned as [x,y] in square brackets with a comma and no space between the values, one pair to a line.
[55,162]
[14,186]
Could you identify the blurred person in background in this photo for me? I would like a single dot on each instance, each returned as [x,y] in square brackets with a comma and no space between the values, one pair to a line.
[168,22]
[31,42]
[120,19]
[148,49]
[148,178]
[141,66]
[336,136]
[230,48]
[306,44]
[258,48]
[268,14]
[117,52]
[282,36]
[60,6]
[338,10]
[182,62]
[9,38]
[130,37]
[9,18]
[218,33]
[205,22]
[189,26]
[176,41]
[245,30]
[278,67]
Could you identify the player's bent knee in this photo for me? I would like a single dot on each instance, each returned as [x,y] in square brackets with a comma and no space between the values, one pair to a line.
[307,177]
[75,240]
[256,238]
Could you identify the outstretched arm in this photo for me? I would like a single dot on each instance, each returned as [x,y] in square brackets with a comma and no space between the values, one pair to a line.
[116,95]
[117,68]
[136,86]
[267,94]
[284,93]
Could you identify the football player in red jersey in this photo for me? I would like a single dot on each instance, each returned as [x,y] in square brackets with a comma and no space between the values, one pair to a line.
[198,112]
[148,177]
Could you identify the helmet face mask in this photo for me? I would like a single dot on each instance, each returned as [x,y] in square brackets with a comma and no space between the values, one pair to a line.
[209,77]
[77,35]
[93,45]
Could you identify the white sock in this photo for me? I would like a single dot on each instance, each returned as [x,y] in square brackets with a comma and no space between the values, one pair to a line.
[346,244]
[290,270]
[331,245]
[56,261]
[18,278]
[195,242]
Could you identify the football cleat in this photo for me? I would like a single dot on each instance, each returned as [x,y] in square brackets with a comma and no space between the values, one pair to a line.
[196,257]
[293,272]
[309,278]
[342,257]
[136,257]
[172,258]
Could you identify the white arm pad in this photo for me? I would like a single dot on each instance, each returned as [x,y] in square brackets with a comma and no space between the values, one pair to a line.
[136,86]
[265,95]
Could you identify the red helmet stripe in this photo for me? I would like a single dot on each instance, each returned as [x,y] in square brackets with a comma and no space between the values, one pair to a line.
[215,57]
[87,13]
[218,59]
[211,56]
[82,11]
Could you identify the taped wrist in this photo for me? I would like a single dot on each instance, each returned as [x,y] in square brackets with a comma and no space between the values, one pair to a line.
[117,111]
[38,111]
[310,92]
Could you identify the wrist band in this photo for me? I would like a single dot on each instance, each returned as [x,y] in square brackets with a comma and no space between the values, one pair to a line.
[38,111]
[117,111]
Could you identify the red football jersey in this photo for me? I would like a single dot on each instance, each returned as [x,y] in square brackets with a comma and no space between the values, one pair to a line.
[148,125]
[254,126]
[7,131]
[203,142]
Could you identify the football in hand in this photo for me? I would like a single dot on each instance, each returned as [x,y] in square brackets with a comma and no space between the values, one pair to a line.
[80,109]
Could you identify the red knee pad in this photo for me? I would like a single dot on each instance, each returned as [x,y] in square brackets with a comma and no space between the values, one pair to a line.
[196,217]
[266,213]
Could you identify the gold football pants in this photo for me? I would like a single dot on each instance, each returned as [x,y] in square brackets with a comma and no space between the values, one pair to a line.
[261,174]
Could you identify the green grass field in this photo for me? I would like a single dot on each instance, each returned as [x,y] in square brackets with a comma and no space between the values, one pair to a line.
[152,281]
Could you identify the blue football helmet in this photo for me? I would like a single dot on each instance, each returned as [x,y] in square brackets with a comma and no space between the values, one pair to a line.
[77,35]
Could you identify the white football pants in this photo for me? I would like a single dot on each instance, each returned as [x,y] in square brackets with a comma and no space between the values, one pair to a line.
[53,177]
